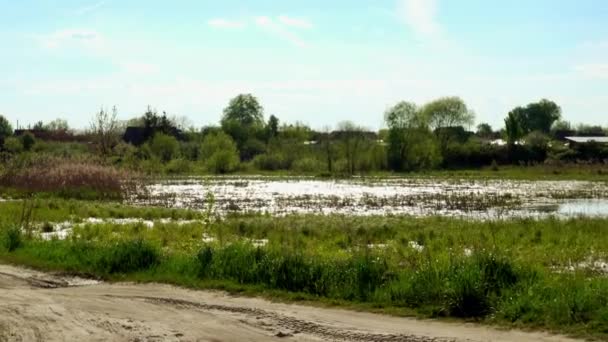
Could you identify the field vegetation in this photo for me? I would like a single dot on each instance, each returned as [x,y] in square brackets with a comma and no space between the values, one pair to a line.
[548,274]
[437,136]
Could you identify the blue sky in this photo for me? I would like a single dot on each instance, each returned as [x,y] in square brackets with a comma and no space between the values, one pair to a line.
[318,62]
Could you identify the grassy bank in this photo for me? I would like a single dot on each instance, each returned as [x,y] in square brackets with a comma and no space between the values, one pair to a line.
[529,273]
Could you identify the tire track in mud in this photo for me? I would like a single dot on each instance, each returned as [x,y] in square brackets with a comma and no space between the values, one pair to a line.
[291,324]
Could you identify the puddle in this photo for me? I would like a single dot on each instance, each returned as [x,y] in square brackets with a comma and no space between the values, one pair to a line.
[480,199]
[62,230]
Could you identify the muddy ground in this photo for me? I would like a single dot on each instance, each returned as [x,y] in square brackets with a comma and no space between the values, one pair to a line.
[36,306]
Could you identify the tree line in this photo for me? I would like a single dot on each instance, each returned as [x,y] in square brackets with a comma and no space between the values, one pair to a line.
[434,135]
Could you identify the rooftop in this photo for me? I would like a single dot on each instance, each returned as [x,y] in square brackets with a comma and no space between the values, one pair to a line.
[588,139]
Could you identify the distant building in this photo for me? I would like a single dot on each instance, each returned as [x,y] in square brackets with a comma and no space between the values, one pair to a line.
[584,140]
[574,141]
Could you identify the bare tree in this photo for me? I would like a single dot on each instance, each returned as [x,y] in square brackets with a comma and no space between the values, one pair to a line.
[105,130]
[352,138]
[328,147]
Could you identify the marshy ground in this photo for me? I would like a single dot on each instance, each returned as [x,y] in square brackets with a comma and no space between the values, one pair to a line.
[479,251]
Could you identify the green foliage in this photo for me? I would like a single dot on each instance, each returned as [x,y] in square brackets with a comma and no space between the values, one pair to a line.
[13,145]
[537,116]
[127,256]
[307,164]
[270,162]
[164,147]
[220,153]
[513,129]
[484,130]
[12,238]
[28,141]
[272,129]
[6,130]
[447,112]
[244,110]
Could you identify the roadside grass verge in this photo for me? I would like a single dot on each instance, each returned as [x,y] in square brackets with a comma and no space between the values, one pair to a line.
[524,273]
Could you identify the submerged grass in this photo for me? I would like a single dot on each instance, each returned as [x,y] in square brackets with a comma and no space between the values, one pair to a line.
[513,272]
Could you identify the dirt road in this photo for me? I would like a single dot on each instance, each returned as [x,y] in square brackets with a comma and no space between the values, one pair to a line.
[36,306]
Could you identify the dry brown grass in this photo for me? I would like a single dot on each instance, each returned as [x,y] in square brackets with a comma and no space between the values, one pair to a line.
[71,177]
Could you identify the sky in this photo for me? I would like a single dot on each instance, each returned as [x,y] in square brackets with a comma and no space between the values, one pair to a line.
[318,62]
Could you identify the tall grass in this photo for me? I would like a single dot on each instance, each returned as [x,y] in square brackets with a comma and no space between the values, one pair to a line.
[68,178]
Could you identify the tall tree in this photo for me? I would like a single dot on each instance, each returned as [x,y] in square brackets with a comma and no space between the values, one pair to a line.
[243,120]
[272,128]
[444,114]
[328,147]
[447,112]
[513,129]
[401,119]
[538,116]
[245,110]
[352,138]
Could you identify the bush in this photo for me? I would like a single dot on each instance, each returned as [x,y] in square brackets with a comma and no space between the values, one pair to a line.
[128,256]
[164,147]
[220,153]
[13,239]
[13,145]
[269,162]
[178,166]
[307,164]
[28,141]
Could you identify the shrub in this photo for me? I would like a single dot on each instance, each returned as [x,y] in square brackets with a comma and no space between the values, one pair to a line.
[164,147]
[269,162]
[307,164]
[28,141]
[13,239]
[220,153]
[13,145]
[128,256]
[178,166]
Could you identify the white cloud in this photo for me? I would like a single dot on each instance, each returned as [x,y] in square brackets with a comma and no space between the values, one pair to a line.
[225,23]
[90,8]
[70,37]
[295,22]
[594,70]
[421,17]
[279,29]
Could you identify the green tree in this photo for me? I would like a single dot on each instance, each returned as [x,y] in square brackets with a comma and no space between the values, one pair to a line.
[6,130]
[484,130]
[402,119]
[220,153]
[164,147]
[272,128]
[411,145]
[513,129]
[538,116]
[444,114]
[245,110]
[243,120]
[447,112]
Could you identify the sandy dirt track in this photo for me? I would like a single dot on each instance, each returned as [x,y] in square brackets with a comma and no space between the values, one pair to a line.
[36,306]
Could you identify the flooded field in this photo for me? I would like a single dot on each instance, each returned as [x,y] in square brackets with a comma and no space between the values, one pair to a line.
[393,196]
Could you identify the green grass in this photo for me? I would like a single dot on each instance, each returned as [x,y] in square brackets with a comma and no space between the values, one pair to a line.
[512,273]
